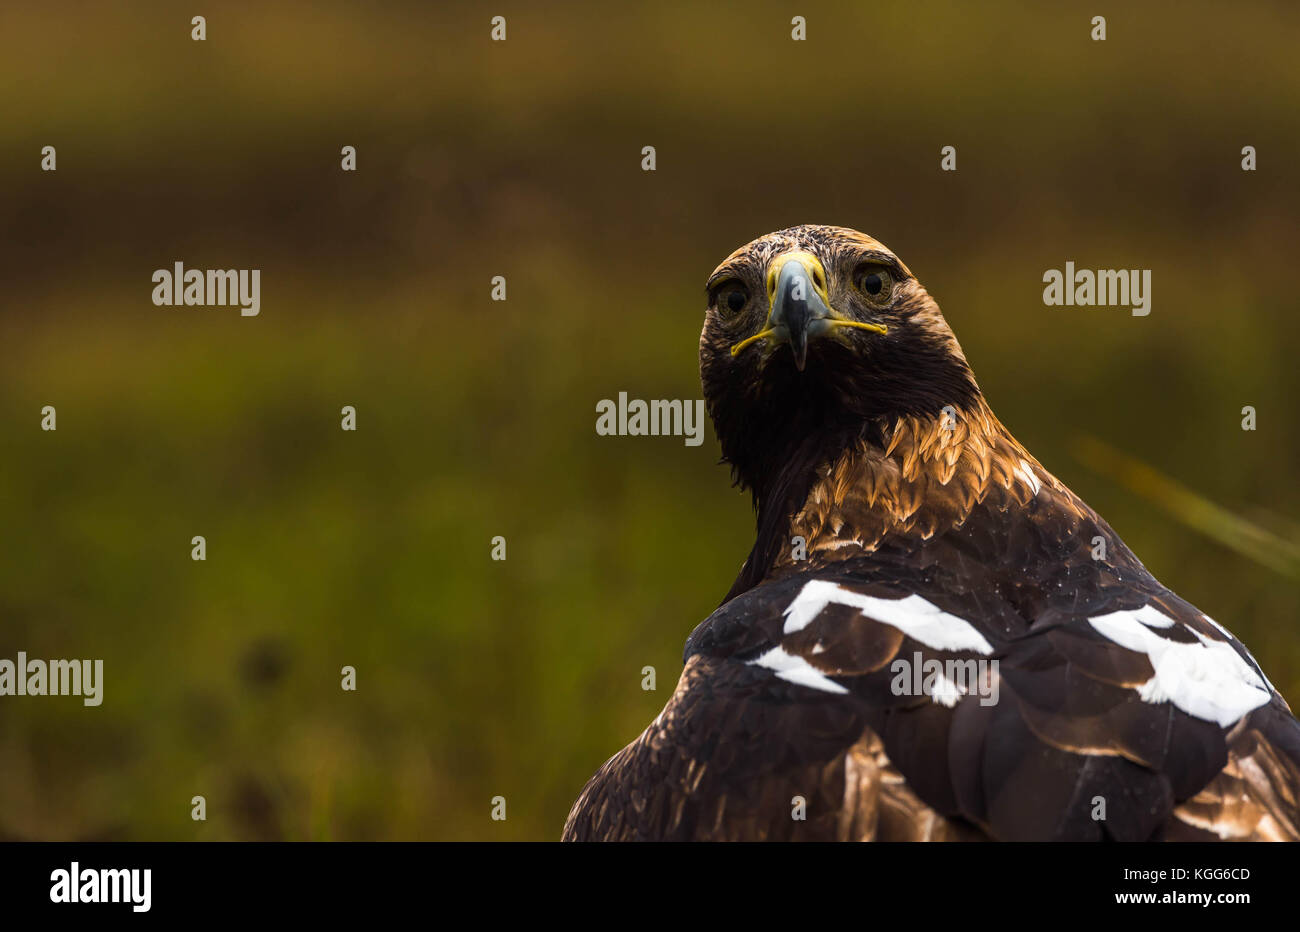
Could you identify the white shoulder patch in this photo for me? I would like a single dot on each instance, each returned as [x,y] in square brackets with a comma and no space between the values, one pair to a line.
[913,615]
[1229,635]
[946,692]
[1205,678]
[797,670]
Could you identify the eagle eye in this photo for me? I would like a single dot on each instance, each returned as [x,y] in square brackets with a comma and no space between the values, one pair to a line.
[731,297]
[875,282]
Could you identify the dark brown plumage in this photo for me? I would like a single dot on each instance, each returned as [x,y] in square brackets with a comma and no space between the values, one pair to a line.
[1118,710]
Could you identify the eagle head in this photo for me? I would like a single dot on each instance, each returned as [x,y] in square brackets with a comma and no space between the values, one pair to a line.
[813,338]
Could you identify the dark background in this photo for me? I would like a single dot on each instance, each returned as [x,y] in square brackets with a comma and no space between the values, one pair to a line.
[518,678]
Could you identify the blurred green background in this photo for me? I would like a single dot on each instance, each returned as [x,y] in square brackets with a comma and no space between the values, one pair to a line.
[518,678]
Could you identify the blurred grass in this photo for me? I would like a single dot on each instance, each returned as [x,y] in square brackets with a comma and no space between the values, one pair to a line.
[1198,513]
[327,548]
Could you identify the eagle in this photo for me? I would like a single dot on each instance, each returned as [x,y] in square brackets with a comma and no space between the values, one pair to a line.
[932,638]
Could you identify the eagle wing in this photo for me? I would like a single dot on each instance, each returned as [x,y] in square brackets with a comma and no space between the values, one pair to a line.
[1084,702]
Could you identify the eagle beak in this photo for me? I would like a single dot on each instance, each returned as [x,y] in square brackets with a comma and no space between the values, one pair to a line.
[799,306]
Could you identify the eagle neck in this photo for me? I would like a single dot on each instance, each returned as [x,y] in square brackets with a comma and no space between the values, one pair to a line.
[901,481]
